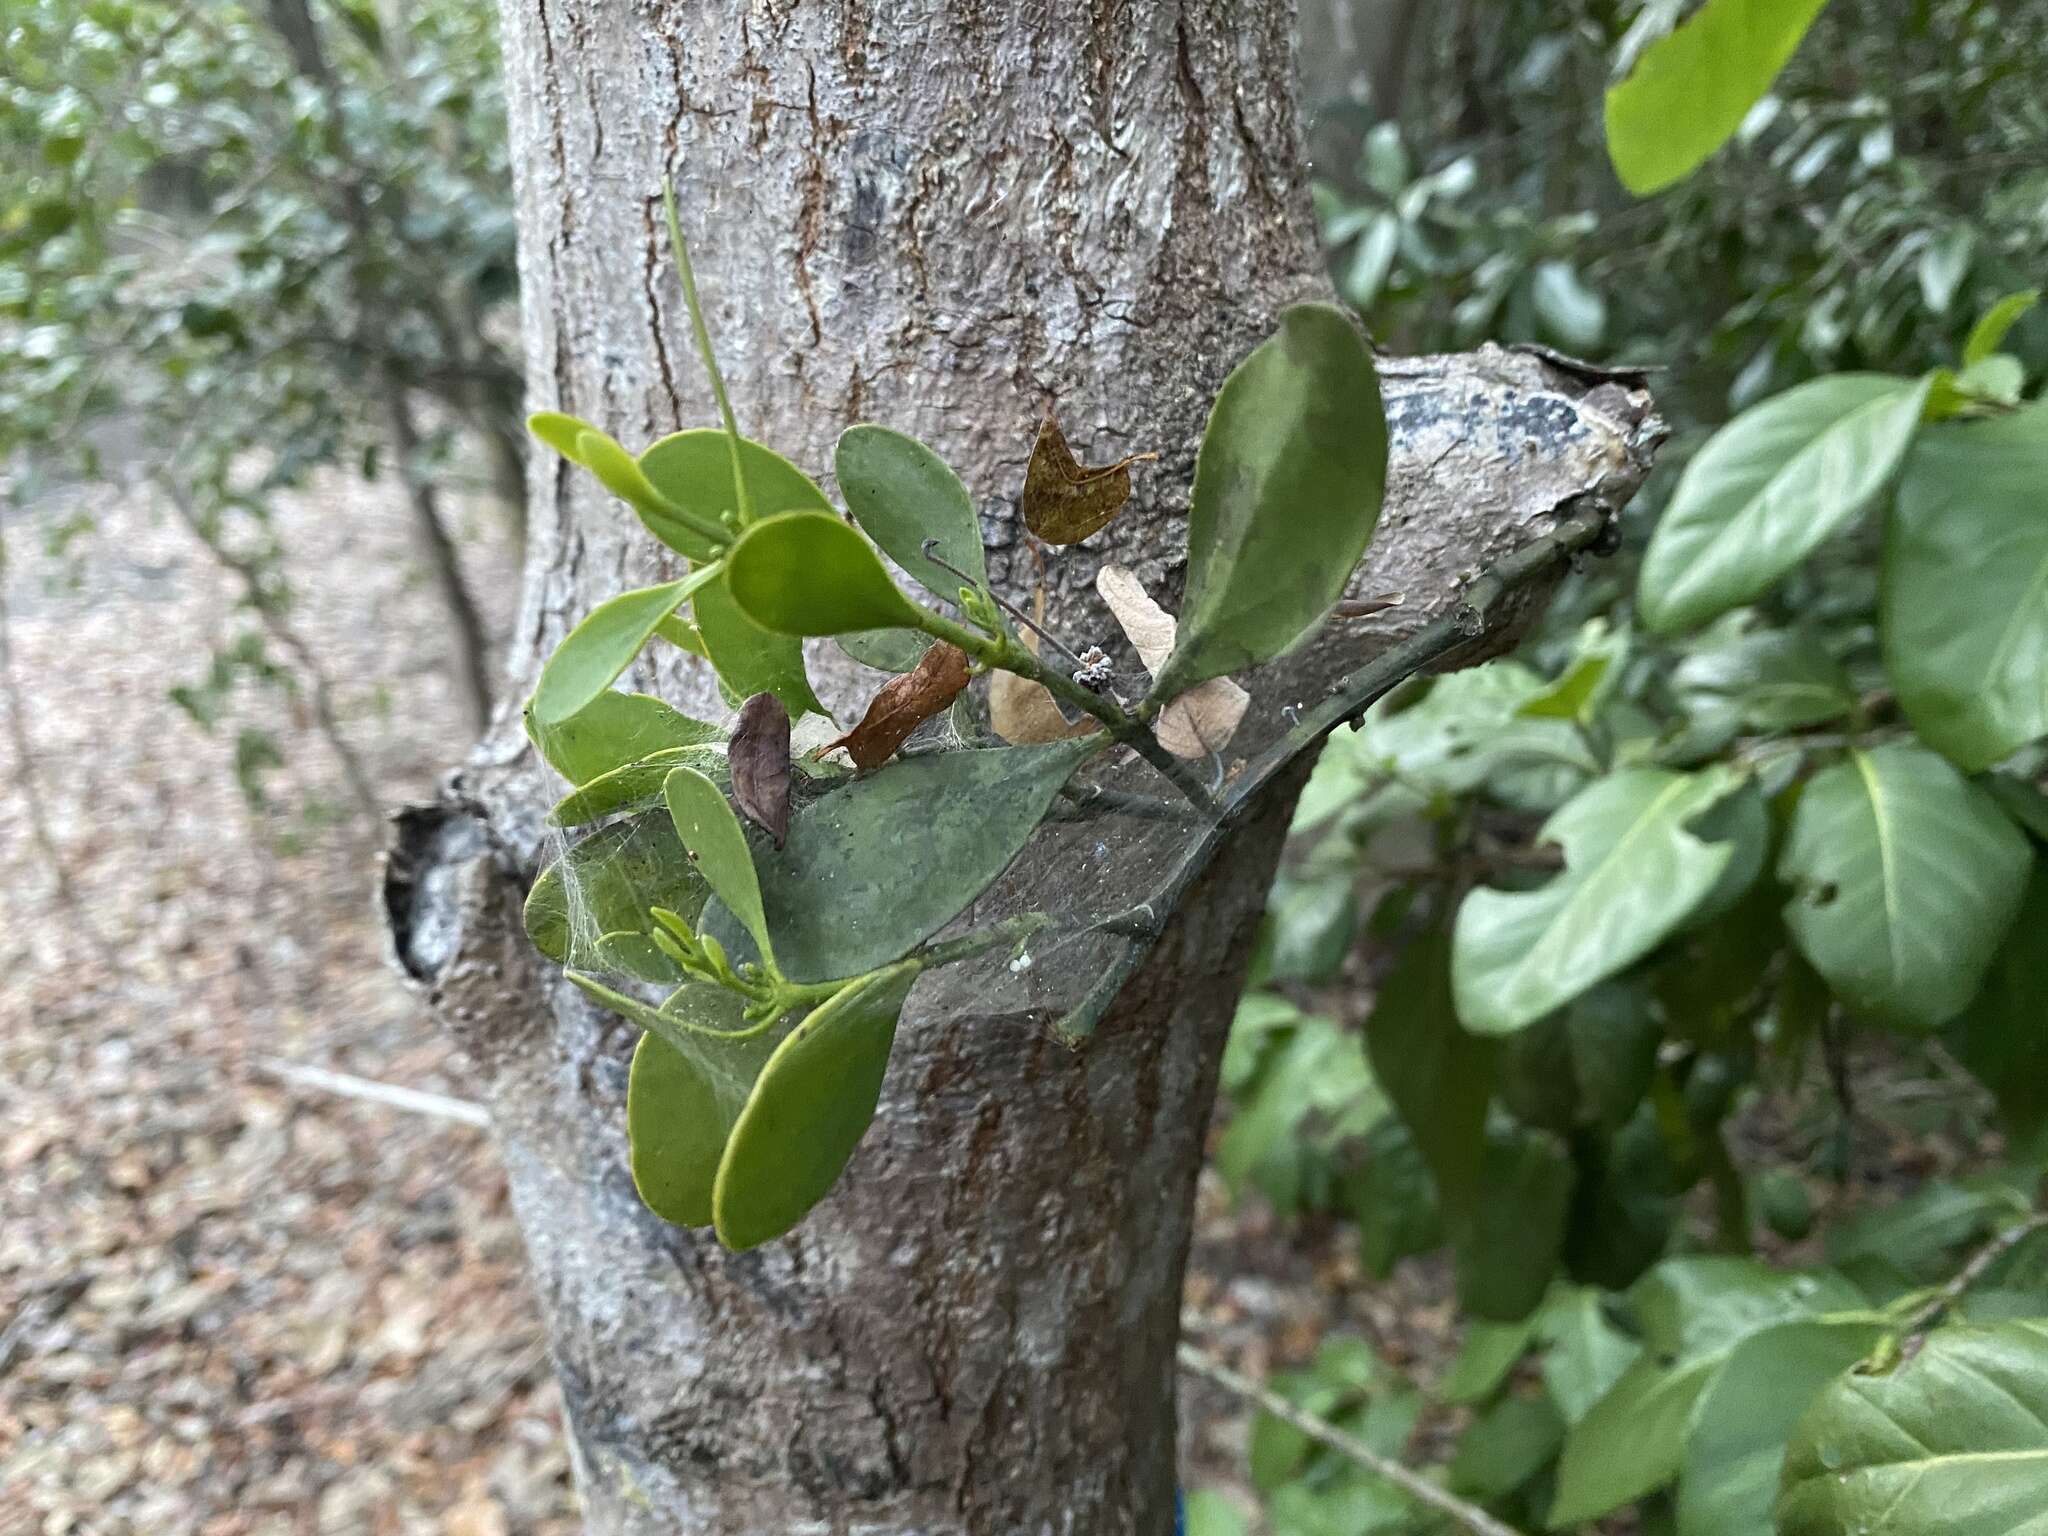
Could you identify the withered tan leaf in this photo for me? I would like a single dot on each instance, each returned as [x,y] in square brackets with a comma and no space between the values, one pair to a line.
[904,703]
[1063,502]
[1203,719]
[758,755]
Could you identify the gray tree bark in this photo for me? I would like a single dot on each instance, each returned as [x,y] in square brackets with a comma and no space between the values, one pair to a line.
[945,218]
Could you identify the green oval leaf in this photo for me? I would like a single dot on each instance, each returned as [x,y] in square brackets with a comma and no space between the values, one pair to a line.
[704,820]
[615,729]
[809,1110]
[1691,89]
[1694,1314]
[1287,491]
[901,493]
[605,884]
[635,786]
[835,894]
[1906,876]
[693,469]
[1965,593]
[1633,873]
[1952,1441]
[596,651]
[1769,487]
[807,573]
[683,1096]
[749,659]
[620,473]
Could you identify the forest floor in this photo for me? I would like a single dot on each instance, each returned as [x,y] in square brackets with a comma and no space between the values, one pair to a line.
[232,1302]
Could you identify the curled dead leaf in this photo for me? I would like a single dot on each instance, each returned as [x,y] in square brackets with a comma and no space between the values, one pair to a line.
[758,755]
[1063,502]
[1203,719]
[904,703]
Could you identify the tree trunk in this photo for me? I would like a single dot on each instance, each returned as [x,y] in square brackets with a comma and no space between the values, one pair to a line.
[943,218]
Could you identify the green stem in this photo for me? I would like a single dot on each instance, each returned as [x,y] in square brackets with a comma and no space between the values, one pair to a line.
[1001,651]
[703,335]
[1466,621]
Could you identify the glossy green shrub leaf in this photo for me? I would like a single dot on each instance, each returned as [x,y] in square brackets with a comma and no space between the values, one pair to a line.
[1690,90]
[1989,333]
[605,884]
[807,573]
[1693,1313]
[1462,729]
[1634,871]
[693,469]
[615,729]
[1287,493]
[1905,878]
[634,786]
[2002,1036]
[835,894]
[1506,1244]
[1951,1441]
[809,1110]
[597,650]
[682,1098]
[1735,1451]
[1965,595]
[1769,487]
[717,845]
[886,650]
[901,494]
[1439,1077]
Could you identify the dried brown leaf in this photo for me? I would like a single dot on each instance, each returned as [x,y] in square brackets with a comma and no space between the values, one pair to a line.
[904,703]
[1063,502]
[759,757]
[1203,719]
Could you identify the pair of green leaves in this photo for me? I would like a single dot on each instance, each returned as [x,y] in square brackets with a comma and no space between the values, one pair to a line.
[1732,1351]
[682,489]
[746,1133]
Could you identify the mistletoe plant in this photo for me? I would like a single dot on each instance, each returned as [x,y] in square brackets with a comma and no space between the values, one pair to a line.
[788,950]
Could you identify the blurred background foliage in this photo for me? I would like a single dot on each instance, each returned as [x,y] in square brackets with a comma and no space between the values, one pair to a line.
[1703,1148]
[240,244]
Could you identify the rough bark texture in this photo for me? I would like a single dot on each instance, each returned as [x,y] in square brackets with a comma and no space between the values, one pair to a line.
[942,217]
